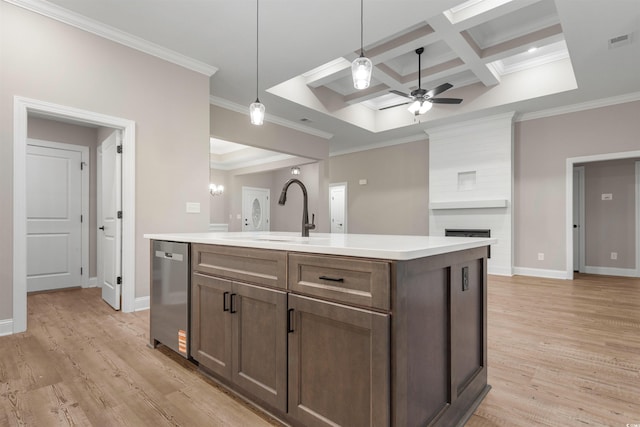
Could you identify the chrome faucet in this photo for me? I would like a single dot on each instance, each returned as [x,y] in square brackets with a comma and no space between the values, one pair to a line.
[305,203]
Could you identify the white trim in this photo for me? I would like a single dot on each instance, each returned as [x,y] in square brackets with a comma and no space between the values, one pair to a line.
[499,271]
[598,103]
[6,327]
[92,283]
[571,161]
[142,303]
[610,271]
[539,272]
[84,227]
[383,144]
[582,231]
[638,219]
[111,33]
[244,109]
[469,204]
[22,107]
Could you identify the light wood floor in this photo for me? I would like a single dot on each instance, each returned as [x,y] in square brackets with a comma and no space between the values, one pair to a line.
[561,353]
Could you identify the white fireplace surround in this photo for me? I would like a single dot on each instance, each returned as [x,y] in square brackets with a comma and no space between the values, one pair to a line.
[471,182]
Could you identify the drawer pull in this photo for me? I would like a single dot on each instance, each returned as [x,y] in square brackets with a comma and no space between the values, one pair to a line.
[331,279]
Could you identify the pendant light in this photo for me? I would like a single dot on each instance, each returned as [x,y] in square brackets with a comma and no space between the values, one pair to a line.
[256,110]
[361,67]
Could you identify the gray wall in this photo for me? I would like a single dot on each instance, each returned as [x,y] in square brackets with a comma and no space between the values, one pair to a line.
[49,130]
[395,199]
[283,218]
[44,59]
[610,225]
[541,149]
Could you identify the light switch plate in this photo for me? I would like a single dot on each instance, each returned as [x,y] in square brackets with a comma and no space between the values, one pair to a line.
[607,196]
[193,207]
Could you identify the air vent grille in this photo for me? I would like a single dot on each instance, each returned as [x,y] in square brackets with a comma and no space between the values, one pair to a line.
[622,40]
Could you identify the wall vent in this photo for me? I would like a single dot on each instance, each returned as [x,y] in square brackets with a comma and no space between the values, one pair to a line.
[622,40]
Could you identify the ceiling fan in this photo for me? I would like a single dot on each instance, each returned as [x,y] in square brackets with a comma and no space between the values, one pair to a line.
[421,100]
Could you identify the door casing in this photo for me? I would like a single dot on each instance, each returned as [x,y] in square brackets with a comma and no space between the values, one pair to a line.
[22,107]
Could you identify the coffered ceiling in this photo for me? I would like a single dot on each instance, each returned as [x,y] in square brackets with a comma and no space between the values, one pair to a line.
[481,47]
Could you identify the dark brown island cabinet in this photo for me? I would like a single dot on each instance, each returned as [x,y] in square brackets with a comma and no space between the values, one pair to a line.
[329,340]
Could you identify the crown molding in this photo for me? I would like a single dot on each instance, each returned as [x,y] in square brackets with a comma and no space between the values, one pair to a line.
[598,103]
[243,109]
[390,143]
[105,31]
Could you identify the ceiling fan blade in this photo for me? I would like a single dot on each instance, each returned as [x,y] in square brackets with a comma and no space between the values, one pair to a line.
[393,106]
[438,90]
[397,92]
[445,100]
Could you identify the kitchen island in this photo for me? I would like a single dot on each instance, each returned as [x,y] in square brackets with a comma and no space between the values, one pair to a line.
[342,329]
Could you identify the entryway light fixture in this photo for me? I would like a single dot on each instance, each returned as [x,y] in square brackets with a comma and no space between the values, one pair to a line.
[256,110]
[216,190]
[295,170]
[361,67]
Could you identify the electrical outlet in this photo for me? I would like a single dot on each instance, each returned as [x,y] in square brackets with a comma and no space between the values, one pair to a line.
[540,256]
[465,279]
[607,196]
[614,255]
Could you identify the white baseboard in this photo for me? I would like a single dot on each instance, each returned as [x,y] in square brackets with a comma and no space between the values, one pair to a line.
[539,272]
[500,271]
[611,271]
[6,327]
[93,283]
[142,303]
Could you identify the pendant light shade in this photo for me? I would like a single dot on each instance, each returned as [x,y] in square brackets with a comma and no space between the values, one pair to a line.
[362,66]
[256,110]
[361,70]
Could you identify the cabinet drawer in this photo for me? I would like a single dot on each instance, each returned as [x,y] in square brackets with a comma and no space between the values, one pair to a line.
[352,281]
[259,266]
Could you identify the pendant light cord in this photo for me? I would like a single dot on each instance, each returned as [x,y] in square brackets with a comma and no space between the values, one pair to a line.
[361,27]
[257,46]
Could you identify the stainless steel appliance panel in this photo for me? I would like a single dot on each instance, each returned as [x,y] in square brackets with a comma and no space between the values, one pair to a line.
[170,296]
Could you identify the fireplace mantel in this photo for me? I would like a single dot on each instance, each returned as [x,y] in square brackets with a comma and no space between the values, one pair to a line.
[469,204]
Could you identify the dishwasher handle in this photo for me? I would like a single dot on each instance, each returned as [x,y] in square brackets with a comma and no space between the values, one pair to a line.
[171,256]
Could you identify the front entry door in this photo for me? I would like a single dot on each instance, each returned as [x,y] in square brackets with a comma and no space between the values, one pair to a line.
[54,211]
[255,209]
[110,219]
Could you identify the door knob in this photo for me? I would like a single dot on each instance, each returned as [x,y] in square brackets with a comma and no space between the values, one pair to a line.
[101,228]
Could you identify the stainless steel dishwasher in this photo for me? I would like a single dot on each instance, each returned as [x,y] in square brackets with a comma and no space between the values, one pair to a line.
[170,296]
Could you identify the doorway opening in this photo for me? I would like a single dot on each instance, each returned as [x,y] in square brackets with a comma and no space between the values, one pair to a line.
[569,204]
[23,107]
[338,207]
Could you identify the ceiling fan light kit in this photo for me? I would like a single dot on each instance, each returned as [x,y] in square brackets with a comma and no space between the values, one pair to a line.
[361,67]
[422,100]
[256,110]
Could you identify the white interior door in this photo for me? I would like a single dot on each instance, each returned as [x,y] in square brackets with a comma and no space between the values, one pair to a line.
[54,210]
[255,209]
[109,249]
[338,203]
[578,219]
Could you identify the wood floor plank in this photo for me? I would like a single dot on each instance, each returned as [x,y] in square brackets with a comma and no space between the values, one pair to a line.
[560,353]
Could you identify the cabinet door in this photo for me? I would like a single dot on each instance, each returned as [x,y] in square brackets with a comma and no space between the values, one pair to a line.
[211,323]
[260,343]
[338,364]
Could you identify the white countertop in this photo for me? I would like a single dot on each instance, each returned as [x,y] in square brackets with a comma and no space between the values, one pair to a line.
[389,247]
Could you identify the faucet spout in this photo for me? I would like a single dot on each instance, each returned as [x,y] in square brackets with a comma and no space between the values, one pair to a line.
[305,205]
